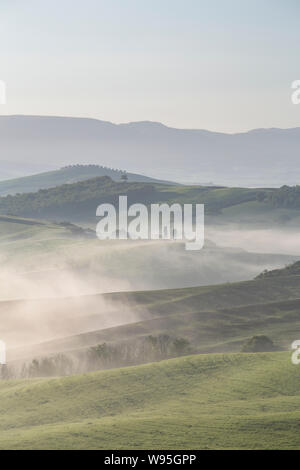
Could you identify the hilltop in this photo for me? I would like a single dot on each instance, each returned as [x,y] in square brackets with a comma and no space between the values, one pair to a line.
[289,270]
[67,175]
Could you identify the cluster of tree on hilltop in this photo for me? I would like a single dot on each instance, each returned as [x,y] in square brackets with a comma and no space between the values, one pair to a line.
[289,270]
[92,166]
[285,197]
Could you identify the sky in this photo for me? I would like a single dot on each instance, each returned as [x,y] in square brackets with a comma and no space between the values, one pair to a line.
[221,65]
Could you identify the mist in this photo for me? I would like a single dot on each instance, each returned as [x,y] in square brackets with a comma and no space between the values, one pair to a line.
[259,240]
[62,293]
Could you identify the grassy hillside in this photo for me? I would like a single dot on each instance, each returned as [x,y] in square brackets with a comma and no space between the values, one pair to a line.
[208,331]
[24,239]
[68,175]
[234,401]
[47,257]
[73,201]
[289,270]
[20,229]
[79,201]
[213,318]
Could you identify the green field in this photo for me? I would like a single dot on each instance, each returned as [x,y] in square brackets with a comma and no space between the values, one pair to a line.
[240,401]
[27,242]
[78,201]
[73,194]
[64,198]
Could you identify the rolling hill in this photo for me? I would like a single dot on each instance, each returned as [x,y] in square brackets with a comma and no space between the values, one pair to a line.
[231,401]
[20,230]
[39,257]
[216,318]
[206,401]
[67,175]
[77,202]
[54,271]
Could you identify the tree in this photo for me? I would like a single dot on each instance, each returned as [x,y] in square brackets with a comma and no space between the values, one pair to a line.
[259,343]
[124,177]
[261,196]
[181,346]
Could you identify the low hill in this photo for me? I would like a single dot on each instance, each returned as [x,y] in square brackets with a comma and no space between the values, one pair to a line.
[68,175]
[79,201]
[289,270]
[221,330]
[45,255]
[234,401]
[212,318]
[19,229]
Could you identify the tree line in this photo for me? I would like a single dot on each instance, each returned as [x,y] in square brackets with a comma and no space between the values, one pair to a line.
[102,356]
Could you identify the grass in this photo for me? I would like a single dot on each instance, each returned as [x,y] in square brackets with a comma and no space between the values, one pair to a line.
[208,331]
[73,194]
[240,401]
[213,318]
[78,201]
[27,242]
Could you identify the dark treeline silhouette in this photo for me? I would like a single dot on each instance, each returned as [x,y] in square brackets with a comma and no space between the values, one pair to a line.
[102,356]
[81,197]
[91,166]
[285,197]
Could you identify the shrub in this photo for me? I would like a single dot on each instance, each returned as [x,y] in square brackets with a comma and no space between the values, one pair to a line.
[258,343]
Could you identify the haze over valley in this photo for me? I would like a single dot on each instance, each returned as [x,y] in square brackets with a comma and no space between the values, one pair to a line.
[260,157]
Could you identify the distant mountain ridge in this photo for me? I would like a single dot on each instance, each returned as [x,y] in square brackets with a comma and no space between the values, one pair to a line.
[261,157]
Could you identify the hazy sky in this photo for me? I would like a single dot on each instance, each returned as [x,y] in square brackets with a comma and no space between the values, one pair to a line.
[223,65]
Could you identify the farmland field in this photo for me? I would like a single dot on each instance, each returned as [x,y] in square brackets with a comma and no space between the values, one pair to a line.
[222,401]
